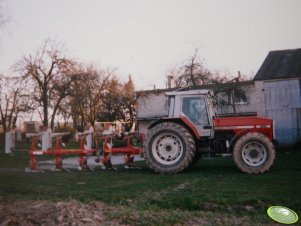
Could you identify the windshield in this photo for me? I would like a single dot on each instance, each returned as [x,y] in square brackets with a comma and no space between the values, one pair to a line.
[195,109]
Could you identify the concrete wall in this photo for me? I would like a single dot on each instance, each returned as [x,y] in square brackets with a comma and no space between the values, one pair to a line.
[152,104]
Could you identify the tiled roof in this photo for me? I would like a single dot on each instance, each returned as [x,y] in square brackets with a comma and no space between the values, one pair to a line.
[280,64]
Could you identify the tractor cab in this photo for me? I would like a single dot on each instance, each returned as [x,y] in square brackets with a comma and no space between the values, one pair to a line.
[194,105]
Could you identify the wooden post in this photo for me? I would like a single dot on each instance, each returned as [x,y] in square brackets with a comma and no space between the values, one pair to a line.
[233,102]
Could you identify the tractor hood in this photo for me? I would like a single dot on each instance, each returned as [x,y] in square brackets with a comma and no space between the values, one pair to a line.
[242,122]
[239,124]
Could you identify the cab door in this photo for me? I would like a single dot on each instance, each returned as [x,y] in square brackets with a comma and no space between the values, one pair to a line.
[195,108]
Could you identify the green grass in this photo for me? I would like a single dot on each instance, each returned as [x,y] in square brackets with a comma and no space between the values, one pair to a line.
[213,190]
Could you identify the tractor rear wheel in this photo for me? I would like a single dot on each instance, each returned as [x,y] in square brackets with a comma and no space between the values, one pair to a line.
[254,153]
[169,148]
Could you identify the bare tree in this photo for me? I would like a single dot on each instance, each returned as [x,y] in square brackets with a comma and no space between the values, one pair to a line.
[191,74]
[129,104]
[14,101]
[62,88]
[88,90]
[119,103]
[226,92]
[111,104]
[46,71]
[64,110]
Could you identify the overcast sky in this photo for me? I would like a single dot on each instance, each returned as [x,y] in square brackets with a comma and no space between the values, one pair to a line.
[145,38]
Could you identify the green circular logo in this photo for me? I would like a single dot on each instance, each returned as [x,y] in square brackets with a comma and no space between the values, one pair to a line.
[282,214]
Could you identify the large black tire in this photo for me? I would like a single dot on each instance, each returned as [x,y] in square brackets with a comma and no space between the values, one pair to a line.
[169,148]
[254,153]
[196,159]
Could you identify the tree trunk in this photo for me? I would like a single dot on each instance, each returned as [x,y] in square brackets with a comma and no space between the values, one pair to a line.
[45,99]
[4,129]
[45,109]
[54,113]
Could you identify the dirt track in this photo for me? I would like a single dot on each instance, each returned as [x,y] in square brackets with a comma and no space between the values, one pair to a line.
[52,213]
[73,213]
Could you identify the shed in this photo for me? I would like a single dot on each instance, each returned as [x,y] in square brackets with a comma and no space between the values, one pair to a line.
[278,83]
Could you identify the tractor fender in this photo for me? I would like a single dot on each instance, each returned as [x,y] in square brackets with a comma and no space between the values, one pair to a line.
[236,137]
[182,121]
[240,134]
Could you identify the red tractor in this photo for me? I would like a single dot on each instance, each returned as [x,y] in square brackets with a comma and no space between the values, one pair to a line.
[177,141]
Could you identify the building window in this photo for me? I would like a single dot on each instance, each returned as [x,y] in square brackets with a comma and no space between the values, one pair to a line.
[240,97]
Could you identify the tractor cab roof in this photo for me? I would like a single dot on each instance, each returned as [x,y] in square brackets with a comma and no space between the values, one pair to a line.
[188,92]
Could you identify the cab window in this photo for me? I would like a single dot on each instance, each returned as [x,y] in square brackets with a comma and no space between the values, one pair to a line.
[195,110]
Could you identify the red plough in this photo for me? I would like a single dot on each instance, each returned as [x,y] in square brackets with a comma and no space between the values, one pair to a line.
[57,151]
[129,151]
[108,150]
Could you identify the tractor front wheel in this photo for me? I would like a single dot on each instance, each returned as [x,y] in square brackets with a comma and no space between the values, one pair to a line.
[169,148]
[254,153]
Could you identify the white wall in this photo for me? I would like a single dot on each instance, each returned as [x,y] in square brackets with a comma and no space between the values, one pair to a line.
[281,101]
[152,104]
[260,102]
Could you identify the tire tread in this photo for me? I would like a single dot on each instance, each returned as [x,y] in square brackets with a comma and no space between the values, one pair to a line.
[189,153]
[238,148]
